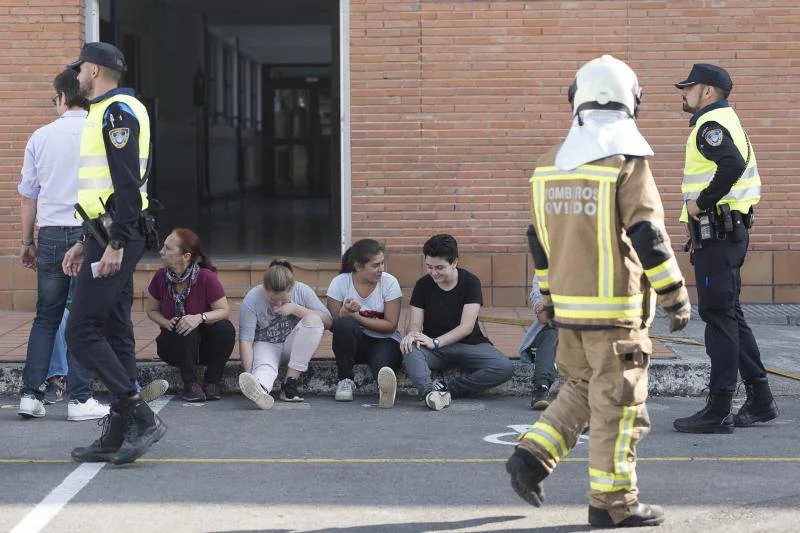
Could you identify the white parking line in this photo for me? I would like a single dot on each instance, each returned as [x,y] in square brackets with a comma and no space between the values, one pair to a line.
[48,508]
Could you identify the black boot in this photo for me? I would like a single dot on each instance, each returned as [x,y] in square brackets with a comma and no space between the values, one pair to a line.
[142,429]
[104,448]
[527,475]
[643,515]
[759,406]
[715,417]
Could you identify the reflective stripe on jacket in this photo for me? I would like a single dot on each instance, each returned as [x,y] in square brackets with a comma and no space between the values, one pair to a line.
[699,171]
[94,176]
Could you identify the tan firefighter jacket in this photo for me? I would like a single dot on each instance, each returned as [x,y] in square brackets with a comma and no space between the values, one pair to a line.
[599,243]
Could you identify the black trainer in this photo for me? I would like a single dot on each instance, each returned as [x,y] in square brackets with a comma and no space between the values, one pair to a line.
[759,406]
[715,417]
[142,429]
[104,448]
[289,392]
[527,474]
[643,515]
[541,397]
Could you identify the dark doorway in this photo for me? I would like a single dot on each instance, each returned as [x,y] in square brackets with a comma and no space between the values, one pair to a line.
[244,102]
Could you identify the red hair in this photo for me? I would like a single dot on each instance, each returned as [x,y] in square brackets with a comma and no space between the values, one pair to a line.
[191,244]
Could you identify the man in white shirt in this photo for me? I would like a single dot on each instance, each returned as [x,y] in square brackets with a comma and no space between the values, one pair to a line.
[49,189]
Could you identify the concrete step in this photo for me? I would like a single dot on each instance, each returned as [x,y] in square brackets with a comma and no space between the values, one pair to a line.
[668,377]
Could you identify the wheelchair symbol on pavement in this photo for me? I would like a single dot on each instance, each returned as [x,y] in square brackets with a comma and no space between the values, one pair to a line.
[509,438]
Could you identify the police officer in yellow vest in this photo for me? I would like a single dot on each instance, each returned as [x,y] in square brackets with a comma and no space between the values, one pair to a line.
[114,152]
[721,177]
[603,258]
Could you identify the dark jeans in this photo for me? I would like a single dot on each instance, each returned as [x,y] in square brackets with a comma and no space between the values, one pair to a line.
[730,343]
[544,356]
[210,345]
[52,287]
[486,366]
[100,331]
[351,346]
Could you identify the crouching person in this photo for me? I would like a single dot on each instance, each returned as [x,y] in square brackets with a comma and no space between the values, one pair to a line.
[186,299]
[280,322]
[444,331]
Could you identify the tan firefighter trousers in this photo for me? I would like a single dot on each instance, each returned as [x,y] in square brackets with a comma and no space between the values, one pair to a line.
[604,386]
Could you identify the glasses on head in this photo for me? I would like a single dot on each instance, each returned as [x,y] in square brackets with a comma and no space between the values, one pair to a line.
[55,99]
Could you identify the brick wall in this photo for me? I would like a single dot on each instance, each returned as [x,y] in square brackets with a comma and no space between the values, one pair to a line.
[453,102]
[37,39]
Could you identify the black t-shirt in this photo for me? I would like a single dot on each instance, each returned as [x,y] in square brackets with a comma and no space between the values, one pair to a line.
[443,308]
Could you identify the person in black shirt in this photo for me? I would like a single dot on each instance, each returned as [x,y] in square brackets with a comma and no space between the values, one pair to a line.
[444,330]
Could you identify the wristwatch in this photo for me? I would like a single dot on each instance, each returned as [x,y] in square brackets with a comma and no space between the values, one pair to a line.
[115,244]
[27,242]
[203,317]
[435,344]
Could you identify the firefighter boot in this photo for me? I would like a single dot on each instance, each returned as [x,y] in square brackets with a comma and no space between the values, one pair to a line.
[104,448]
[143,428]
[527,474]
[759,405]
[715,417]
[643,515]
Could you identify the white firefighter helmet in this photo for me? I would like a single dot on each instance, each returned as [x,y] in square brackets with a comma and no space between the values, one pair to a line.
[605,83]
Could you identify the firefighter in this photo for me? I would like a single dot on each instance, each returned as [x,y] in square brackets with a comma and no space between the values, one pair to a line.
[603,259]
[721,184]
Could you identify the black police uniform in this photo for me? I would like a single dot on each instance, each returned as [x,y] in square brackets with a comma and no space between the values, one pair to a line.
[100,331]
[729,341]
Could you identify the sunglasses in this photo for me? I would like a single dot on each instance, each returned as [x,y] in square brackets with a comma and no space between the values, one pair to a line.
[55,99]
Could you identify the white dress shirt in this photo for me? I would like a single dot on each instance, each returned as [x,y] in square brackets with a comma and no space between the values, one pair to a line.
[50,170]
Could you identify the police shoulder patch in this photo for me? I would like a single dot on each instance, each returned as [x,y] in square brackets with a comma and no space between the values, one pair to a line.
[714,137]
[119,137]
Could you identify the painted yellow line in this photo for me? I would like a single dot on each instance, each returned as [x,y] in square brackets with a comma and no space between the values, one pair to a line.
[391,460]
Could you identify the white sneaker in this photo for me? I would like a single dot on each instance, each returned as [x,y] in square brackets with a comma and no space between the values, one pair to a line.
[387,387]
[91,409]
[253,390]
[154,390]
[30,407]
[344,390]
[437,400]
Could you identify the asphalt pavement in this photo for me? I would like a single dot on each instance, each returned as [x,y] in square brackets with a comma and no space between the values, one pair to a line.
[326,466]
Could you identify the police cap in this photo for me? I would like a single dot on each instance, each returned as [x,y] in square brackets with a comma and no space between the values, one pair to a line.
[103,54]
[707,75]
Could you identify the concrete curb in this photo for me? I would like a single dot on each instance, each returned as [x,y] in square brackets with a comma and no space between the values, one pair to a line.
[671,377]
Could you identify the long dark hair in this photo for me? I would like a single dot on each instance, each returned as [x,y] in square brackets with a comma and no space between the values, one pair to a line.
[190,243]
[358,254]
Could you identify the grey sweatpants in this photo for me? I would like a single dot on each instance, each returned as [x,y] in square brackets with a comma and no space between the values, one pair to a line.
[487,367]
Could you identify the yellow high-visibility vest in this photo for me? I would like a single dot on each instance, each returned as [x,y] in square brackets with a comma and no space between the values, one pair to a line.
[699,171]
[94,176]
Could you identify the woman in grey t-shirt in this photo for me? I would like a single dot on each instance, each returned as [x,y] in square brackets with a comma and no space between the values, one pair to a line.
[280,321]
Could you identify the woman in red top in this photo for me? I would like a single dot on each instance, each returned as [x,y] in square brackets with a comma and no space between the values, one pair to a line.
[187,300]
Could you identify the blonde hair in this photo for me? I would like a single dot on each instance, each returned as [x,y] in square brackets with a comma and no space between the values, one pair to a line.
[279,276]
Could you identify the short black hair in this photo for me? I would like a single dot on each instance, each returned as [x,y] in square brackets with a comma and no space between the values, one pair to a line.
[722,94]
[111,74]
[443,246]
[67,83]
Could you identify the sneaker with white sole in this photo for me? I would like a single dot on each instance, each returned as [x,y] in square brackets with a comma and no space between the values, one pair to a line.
[53,392]
[91,409]
[252,390]
[437,400]
[154,390]
[344,390]
[387,388]
[30,407]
